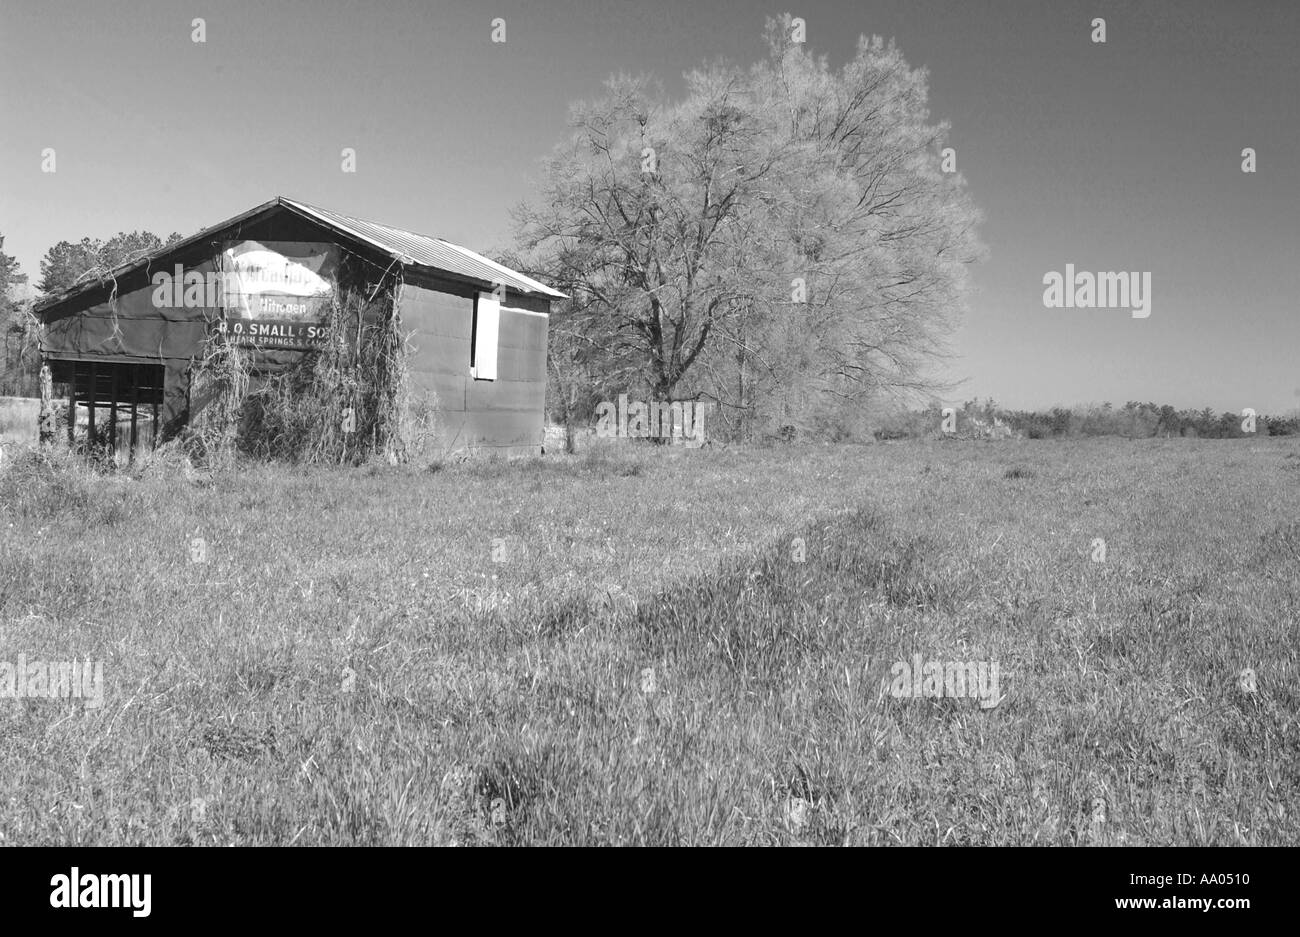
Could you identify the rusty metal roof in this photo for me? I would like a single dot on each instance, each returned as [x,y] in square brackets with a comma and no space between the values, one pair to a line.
[433,254]
[423,250]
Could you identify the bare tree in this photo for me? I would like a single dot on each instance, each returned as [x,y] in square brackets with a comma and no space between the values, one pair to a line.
[781,240]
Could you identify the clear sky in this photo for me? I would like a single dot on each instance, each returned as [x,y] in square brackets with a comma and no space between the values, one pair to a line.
[1117,157]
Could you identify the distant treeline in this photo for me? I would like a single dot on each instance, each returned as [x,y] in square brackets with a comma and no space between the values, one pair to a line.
[1134,420]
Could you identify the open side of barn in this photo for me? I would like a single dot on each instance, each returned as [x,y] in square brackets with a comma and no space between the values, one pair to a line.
[126,345]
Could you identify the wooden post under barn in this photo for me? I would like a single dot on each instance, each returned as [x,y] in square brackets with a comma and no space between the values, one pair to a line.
[72,405]
[90,402]
[154,394]
[135,405]
[112,412]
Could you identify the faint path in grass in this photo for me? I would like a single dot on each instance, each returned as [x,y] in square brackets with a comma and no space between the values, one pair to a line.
[345,668]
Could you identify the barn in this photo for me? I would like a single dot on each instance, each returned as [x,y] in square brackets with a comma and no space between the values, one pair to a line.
[123,346]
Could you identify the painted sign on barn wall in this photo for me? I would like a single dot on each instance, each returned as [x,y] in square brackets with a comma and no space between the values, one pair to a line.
[276,294]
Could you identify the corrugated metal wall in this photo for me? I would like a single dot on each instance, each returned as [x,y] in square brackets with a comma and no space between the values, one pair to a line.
[504,416]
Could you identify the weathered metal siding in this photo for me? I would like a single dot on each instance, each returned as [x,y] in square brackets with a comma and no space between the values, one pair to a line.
[504,416]
[119,323]
[125,326]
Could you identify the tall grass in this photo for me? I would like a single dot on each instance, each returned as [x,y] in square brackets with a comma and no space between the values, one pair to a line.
[624,649]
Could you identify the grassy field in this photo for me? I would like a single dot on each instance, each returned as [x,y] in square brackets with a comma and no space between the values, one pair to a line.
[622,648]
